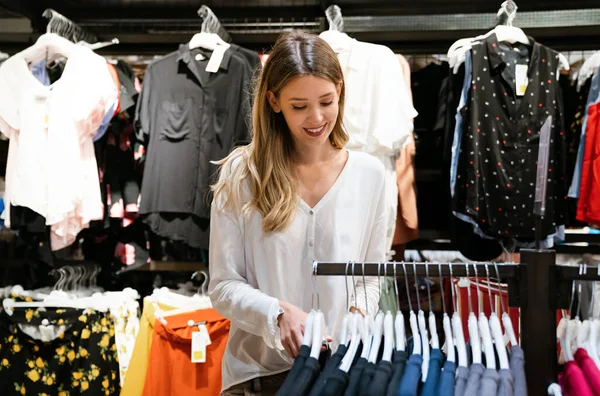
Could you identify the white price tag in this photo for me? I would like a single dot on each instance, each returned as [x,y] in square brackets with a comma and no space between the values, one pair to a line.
[521,79]
[204,332]
[215,59]
[198,347]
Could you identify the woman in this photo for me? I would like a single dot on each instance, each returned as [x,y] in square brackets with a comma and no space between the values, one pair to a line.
[293,195]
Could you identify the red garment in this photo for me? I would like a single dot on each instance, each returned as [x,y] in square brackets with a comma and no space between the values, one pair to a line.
[170,368]
[590,370]
[588,208]
[573,382]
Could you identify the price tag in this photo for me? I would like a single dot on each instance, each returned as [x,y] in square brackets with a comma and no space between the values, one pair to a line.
[521,79]
[204,332]
[198,347]
[215,59]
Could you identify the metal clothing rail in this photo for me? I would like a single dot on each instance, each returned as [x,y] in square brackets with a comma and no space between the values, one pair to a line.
[536,285]
[506,270]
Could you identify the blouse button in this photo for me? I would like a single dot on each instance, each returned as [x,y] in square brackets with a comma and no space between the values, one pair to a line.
[310,244]
[311,213]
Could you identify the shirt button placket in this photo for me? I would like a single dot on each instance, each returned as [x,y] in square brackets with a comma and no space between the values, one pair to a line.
[311,235]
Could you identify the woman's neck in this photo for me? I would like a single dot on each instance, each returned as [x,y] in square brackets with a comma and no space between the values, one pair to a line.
[306,156]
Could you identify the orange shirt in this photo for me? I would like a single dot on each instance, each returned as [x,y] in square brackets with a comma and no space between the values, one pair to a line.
[170,368]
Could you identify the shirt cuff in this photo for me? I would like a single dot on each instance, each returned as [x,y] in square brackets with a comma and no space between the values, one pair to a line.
[273,314]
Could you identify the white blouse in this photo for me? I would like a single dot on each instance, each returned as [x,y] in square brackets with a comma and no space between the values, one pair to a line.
[51,166]
[251,271]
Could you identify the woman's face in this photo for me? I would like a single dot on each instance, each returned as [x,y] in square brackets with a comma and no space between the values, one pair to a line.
[310,107]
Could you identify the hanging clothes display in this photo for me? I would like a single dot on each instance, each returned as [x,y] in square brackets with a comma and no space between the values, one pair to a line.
[495,183]
[166,358]
[51,167]
[188,117]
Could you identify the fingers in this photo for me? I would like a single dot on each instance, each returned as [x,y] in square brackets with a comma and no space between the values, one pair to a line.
[287,348]
[294,349]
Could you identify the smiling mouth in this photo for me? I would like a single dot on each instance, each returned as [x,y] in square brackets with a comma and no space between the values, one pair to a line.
[315,131]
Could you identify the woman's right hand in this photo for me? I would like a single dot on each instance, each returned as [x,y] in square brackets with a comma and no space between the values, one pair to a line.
[291,326]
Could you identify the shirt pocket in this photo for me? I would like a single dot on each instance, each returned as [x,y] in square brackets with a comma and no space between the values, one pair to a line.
[179,120]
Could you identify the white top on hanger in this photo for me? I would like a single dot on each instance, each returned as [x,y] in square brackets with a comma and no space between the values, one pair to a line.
[69,113]
[378,110]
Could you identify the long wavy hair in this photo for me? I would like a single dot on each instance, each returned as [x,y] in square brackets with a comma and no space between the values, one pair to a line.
[266,163]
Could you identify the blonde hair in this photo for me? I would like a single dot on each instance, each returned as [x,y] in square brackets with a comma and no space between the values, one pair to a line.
[267,160]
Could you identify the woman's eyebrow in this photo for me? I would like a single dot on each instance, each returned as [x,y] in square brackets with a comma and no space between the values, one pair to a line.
[320,97]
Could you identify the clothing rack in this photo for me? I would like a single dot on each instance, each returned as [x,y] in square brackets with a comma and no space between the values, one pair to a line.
[536,285]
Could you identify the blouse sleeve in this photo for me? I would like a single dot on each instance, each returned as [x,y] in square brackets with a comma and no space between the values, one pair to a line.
[245,306]
[9,111]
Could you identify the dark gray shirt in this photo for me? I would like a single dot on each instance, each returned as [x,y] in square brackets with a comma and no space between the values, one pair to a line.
[462,373]
[506,383]
[188,117]
[475,372]
[489,383]
[517,368]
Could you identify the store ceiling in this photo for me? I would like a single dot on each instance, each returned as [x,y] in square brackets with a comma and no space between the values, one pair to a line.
[152,26]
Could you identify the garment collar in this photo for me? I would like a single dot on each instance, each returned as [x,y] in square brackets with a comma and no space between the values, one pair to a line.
[494,51]
[186,55]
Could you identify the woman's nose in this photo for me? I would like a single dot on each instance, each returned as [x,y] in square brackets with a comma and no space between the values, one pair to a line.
[316,117]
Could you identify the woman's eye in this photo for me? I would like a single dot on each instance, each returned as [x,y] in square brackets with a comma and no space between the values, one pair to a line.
[328,103]
[299,107]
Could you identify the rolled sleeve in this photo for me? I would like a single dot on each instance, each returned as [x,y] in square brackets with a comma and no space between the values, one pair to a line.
[232,296]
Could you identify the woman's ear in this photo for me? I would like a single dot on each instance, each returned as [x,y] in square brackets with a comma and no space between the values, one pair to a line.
[274,102]
[338,88]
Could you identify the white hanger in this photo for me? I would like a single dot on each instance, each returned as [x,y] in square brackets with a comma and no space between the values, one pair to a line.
[317,334]
[99,45]
[388,330]
[355,322]
[346,321]
[388,323]
[369,323]
[449,344]
[308,329]
[474,338]
[318,318]
[399,322]
[48,45]
[422,330]
[367,336]
[335,37]
[435,340]
[495,327]
[506,321]
[554,390]
[19,291]
[484,327]
[357,326]
[457,330]
[414,327]
[377,336]
[207,38]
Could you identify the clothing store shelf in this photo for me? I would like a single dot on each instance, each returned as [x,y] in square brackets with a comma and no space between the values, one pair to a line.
[173,266]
